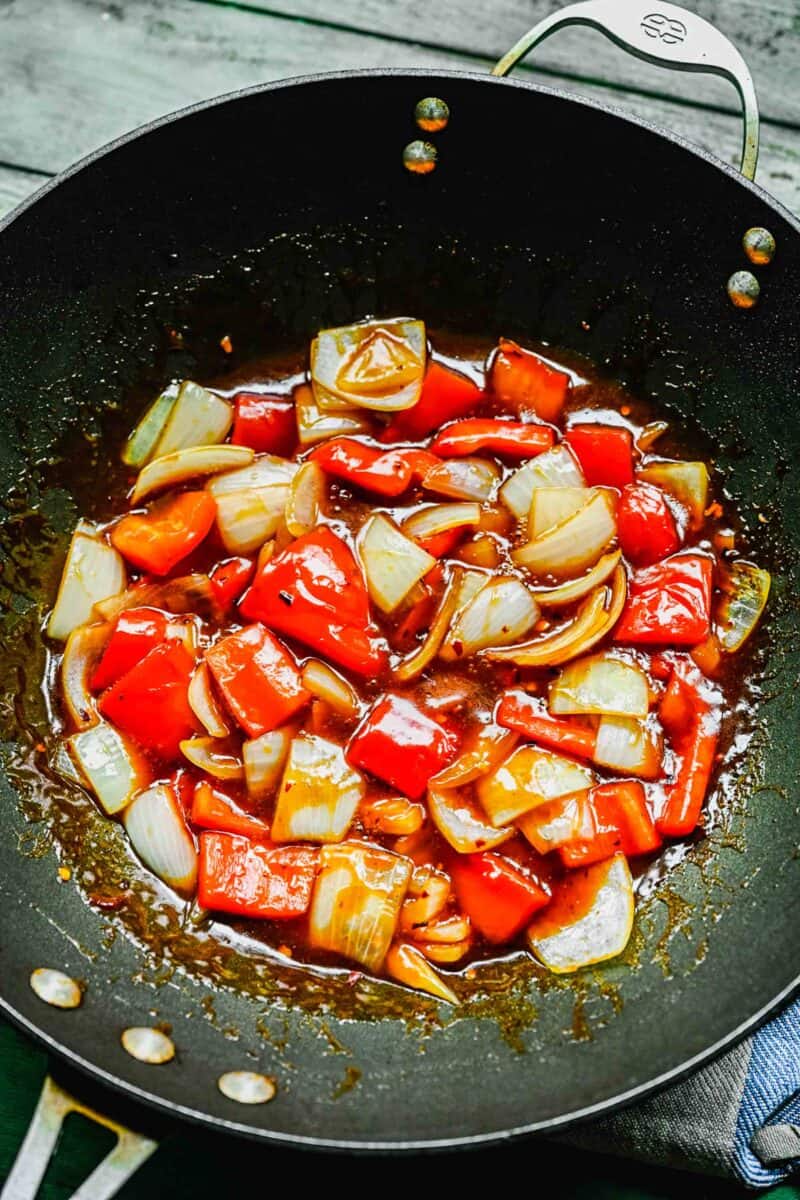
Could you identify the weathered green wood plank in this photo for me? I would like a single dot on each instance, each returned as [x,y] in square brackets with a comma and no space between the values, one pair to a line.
[15,185]
[76,73]
[766,31]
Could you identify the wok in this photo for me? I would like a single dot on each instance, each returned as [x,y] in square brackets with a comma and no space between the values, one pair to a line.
[265,215]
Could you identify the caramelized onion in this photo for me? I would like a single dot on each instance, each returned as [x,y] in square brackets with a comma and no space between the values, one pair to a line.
[591,623]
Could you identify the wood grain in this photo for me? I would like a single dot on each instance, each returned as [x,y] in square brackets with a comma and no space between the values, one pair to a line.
[767,32]
[77,73]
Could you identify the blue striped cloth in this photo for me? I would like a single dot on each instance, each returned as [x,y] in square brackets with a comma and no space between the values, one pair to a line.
[738,1117]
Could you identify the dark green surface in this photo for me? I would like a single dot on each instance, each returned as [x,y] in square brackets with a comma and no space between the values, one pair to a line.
[199,1164]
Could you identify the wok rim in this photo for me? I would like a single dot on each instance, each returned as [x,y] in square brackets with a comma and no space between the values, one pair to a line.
[607,1107]
[293,81]
[610,1104]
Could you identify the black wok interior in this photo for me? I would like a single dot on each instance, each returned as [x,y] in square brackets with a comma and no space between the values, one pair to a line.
[286,209]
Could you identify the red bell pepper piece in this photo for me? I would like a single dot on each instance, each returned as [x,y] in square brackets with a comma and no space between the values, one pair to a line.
[157,540]
[621,821]
[267,424]
[385,472]
[509,439]
[439,544]
[496,895]
[251,880]
[669,602]
[400,744]
[645,525]
[213,809]
[136,632]
[692,724]
[314,591]
[445,396]
[526,383]
[604,453]
[229,579]
[528,716]
[258,678]
[150,701]
[182,782]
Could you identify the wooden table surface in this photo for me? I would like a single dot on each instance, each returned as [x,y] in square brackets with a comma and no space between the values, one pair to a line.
[76,73]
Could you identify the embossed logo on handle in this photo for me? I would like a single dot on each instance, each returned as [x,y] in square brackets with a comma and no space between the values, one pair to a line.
[668,30]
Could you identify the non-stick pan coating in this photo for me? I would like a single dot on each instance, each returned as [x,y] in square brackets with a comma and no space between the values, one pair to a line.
[284,209]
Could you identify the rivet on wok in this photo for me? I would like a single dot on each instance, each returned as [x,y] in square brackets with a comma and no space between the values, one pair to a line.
[432,114]
[56,988]
[246,1087]
[759,245]
[148,1045]
[419,157]
[743,289]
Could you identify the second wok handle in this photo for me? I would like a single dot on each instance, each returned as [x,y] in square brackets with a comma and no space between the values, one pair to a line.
[659,33]
[130,1151]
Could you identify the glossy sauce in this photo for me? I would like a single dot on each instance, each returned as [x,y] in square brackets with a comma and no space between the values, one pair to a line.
[462,694]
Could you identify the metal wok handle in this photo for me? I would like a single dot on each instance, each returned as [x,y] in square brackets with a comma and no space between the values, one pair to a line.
[659,33]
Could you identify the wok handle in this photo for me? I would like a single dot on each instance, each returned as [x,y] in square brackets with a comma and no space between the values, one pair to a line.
[659,33]
[130,1151]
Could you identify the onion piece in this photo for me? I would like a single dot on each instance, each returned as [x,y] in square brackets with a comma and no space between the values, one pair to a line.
[444,952]
[142,441]
[575,543]
[185,594]
[328,685]
[315,425]
[438,518]
[629,746]
[393,563]
[591,623]
[172,469]
[246,519]
[204,705]
[528,778]
[550,506]
[650,434]
[576,589]
[572,933]
[263,471]
[93,571]
[418,660]
[484,752]
[408,965]
[464,479]
[264,760]
[501,611]
[555,468]
[306,498]
[566,819]
[445,931]
[686,481]
[319,792]
[81,654]
[159,835]
[745,592]
[393,816]
[427,895]
[601,684]
[356,901]
[373,364]
[461,821]
[110,764]
[197,418]
[219,757]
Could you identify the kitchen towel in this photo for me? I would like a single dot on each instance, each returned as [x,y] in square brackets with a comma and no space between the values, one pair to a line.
[739,1116]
